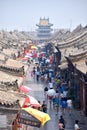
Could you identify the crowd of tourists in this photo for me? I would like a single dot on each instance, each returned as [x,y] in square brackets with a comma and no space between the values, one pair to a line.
[55,90]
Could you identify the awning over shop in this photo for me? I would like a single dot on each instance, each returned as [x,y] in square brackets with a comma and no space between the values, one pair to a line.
[28,119]
[39,115]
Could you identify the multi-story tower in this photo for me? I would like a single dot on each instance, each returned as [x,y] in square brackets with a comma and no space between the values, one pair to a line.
[44,29]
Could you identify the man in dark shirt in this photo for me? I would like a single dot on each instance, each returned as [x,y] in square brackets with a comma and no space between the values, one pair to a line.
[61,120]
[44,107]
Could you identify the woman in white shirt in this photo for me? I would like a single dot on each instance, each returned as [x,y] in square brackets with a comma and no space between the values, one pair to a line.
[50,85]
[69,105]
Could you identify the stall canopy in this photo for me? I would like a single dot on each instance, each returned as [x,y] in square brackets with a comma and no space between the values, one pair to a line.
[41,116]
[28,119]
[25,89]
[29,100]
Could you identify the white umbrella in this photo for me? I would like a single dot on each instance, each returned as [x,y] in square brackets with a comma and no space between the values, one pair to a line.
[51,92]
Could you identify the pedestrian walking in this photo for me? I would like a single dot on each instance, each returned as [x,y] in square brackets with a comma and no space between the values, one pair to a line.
[44,107]
[56,94]
[50,85]
[45,92]
[76,126]
[37,75]
[50,100]
[69,105]
[61,124]
[56,104]
[64,104]
[34,70]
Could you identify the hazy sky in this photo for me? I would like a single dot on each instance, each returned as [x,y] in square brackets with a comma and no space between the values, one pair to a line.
[23,15]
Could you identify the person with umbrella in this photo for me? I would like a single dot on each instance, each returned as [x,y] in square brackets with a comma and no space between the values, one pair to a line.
[50,94]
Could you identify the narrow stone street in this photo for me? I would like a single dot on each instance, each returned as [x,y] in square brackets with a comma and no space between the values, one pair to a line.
[38,93]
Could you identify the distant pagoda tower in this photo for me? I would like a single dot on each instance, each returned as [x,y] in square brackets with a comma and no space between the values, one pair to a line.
[44,29]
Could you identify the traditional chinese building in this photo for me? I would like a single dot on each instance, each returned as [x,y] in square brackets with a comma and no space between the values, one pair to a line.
[44,29]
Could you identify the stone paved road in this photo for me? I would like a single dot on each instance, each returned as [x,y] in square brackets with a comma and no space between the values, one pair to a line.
[37,92]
